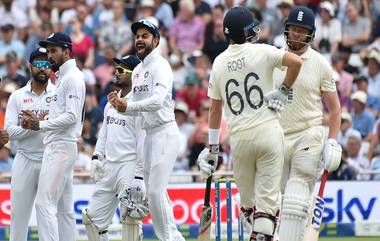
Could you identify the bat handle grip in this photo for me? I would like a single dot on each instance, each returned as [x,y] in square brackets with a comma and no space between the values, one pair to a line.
[323,183]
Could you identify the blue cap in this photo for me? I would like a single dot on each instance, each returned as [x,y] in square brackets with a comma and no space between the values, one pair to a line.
[146,24]
[301,16]
[239,24]
[129,60]
[37,52]
[58,39]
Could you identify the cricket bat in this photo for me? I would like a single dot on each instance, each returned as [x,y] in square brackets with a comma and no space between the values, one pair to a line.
[206,215]
[314,221]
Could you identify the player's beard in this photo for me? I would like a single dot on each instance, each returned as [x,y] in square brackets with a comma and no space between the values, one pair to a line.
[295,45]
[54,65]
[40,77]
[143,49]
[120,82]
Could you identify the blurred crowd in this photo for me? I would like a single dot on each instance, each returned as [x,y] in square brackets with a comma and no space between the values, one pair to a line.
[348,35]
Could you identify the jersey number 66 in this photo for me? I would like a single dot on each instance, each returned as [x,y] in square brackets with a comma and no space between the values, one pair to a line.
[247,91]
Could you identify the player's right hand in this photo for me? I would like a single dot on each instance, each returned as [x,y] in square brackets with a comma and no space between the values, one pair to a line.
[204,160]
[97,168]
[4,137]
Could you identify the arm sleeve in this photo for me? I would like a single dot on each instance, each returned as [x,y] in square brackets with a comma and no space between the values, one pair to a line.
[15,131]
[140,138]
[161,84]
[274,55]
[73,114]
[100,148]
[327,79]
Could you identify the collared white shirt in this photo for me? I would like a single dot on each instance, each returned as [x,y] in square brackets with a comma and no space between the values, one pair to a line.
[305,109]
[152,84]
[66,114]
[121,138]
[28,142]
[241,76]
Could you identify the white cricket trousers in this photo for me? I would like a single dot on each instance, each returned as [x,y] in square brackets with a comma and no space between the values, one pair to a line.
[258,158]
[104,201]
[303,156]
[160,152]
[54,202]
[24,183]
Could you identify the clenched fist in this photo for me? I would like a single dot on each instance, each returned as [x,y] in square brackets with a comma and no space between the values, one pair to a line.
[4,137]
[118,103]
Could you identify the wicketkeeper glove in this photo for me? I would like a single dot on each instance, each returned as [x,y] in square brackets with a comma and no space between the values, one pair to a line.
[97,168]
[332,155]
[278,99]
[129,207]
[208,161]
[138,190]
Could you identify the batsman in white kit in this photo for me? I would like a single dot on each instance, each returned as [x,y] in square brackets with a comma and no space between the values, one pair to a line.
[307,148]
[118,166]
[35,96]
[152,87]
[241,80]
[54,201]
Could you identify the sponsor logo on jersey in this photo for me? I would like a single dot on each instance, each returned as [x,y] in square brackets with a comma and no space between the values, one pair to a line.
[116,121]
[30,100]
[74,97]
[140,88]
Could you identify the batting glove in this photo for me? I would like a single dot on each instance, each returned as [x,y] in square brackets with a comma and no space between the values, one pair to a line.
[332,155]
[208,161]
[277,99]
[97,168]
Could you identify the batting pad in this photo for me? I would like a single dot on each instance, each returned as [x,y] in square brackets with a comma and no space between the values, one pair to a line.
[131,230]
[93,233]
[295,206]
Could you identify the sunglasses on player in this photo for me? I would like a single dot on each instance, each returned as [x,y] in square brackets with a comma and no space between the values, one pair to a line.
[41,64]
[121,70]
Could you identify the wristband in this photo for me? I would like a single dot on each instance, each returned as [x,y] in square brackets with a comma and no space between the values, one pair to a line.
[214,149]
[284,89]
[213,136]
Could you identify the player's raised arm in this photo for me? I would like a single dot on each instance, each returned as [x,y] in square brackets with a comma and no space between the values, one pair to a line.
[278,99]
[293,62]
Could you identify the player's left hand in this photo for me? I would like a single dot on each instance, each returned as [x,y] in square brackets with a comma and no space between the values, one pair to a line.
[332,155]
[138,190]
[278,99]
[120,104]
[128,207]
[137,211]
